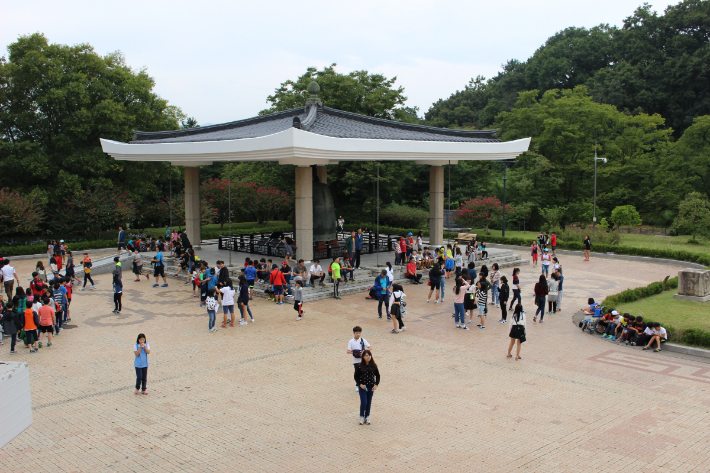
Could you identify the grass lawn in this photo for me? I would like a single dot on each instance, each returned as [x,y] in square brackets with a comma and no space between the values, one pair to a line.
[627,239]
[677,313]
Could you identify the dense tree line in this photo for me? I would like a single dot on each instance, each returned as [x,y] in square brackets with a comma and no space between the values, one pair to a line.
[640,93]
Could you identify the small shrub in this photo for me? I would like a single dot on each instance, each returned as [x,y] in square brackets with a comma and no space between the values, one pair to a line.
[403,216]
[692,241]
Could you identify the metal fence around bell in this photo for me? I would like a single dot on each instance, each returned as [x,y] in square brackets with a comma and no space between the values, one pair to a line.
[265,244]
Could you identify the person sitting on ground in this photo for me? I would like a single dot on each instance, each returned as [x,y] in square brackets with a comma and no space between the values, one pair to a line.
[262,272]
[623,330]
[484,252]
[412,272]
[636,328]
[612,325]
[658,335]
[300,273]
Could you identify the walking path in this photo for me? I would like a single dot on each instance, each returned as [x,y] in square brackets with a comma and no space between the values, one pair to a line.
[278,395]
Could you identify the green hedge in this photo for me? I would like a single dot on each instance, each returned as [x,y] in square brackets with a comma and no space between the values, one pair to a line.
[680,255]
[632,295]
[41,248]
[693,336]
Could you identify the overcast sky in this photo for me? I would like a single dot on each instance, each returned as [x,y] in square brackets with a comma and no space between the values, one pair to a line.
[218,60]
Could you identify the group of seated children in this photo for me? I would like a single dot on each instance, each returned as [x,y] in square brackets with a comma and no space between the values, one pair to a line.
[476,251]
[627,328]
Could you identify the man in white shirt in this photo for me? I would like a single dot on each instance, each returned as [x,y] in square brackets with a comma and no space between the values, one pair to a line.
[355,347]
[8,277]
[316,272]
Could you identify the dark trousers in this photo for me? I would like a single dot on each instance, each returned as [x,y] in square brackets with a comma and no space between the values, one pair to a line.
[117,300]
[540,307]
[87,277]
[386,299]
[357,258]
[314,277]
[8,289]
[516,296]
[414,277]
[398,316]
[365,402]
[397,258]
[336,287]
[31,336]
[355,365]
[503,310]
[552,306]
[203,292]
[13,341]
[141,378]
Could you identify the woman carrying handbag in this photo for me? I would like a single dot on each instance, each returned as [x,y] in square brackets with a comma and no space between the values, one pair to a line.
[517,331]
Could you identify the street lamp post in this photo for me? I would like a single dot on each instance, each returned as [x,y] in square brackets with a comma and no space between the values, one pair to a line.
[594,215]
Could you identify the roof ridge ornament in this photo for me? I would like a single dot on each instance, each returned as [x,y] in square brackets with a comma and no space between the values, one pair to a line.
[313,89]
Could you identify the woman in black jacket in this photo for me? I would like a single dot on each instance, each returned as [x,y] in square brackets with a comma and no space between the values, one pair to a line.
[368,378]
[9,324]
[503,295]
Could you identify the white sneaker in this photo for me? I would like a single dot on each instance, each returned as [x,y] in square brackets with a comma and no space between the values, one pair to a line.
[362,420]
[367,420]
[253,320]
[298,318]
[243,323]
[357,389]
[497,306]
[436,301]
[93,287]
[403,327]
[426,300]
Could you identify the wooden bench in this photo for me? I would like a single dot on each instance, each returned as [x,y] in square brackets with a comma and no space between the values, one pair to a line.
[466,238]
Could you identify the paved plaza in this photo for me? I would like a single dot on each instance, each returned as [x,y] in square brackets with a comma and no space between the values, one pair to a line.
[278,394]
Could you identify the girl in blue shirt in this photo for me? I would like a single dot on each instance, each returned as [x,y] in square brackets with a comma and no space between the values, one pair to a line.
[141,349]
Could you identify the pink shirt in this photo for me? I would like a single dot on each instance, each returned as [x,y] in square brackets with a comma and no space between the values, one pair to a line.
[458,298]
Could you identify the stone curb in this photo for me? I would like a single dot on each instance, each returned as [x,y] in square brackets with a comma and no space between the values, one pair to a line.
[646,259]
[43,256]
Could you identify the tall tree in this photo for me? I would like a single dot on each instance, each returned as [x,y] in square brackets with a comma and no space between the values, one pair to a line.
[56,101]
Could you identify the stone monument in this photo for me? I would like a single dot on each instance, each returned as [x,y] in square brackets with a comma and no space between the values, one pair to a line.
[694,285]
[15,400]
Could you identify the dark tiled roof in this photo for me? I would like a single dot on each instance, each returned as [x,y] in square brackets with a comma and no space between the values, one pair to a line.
[328,122]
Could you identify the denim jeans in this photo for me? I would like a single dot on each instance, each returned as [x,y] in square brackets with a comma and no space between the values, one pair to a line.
[242,304]
[545,269]
[495,292]
[386,299]
[211,314]
[610,329]
[459,313]
[365,401]
[481,309]
[516,296]
[540,307]
[141,378]
[442,287]
[559,300]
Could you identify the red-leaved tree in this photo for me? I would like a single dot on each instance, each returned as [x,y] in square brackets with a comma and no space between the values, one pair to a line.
[481,212]
[19,214]
[249,200]
[100,209]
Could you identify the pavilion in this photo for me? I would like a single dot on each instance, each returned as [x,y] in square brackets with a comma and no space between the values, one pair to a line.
[314,135]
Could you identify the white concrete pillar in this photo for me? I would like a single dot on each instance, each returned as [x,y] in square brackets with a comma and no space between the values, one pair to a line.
[322,172]
[436,205]
[193,218]
[304,213]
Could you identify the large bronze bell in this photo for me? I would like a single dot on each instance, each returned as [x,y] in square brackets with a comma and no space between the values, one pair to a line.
[323,213]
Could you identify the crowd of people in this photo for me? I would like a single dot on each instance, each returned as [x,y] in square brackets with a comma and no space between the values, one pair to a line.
[43,307]
[632,330]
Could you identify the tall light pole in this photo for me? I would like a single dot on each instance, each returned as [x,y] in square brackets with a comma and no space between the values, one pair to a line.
[594,217]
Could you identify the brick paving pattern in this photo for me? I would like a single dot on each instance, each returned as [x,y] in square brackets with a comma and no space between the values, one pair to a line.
[278,395]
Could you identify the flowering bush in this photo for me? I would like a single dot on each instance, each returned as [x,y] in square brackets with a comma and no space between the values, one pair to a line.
[249,200]
[100,209]
[481,212]
[18,213]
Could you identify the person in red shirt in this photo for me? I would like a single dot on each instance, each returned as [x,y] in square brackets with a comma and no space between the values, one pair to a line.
[68,286]
[36,284]
[553,242]
[277,280]
[412,272]
[403,248]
